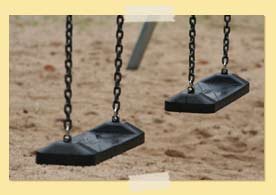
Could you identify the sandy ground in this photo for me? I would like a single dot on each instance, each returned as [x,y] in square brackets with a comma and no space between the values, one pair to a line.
[228,145]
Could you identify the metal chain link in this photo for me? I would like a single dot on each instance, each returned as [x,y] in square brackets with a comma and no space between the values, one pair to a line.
[68,79]
[192,35]
[118,64]
[226,42]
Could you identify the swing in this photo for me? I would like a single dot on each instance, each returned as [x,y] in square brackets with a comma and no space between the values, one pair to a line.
[214,92]
[104,141]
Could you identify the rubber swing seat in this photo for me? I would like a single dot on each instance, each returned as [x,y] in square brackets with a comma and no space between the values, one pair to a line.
[92,147]
[211,94]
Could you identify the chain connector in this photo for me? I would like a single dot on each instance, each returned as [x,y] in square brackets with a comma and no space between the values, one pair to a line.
[191,87]
[68,128]
[115,118]
[224,70]
[67,138]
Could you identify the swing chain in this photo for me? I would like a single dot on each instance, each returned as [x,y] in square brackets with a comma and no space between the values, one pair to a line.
[226,42]
[118,64]
[192,35]
[67,123]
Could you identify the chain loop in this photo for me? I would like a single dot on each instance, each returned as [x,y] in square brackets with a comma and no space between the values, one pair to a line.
[192,35]
[226,42]
[118,64]
[67,123]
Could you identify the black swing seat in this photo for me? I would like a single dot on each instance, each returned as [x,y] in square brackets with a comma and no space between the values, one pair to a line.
[92,147]
[211,94]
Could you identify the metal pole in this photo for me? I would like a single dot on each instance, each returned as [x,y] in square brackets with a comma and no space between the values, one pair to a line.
[141,45]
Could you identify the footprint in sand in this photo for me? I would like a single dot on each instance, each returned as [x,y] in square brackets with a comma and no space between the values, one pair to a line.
[170,80]
[232,144]
[203,62]
[250,132]
[29,125]
[258,65]
[19,83]
[175,153]
[202,133]
[253,132]
[56,44]
[49,68]
[91,113]
[158,121]
[243,69]
[49,72]
[205,178]
[259,103]
[239,157]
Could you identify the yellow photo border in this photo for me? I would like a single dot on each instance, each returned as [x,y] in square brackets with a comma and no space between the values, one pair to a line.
[112,7]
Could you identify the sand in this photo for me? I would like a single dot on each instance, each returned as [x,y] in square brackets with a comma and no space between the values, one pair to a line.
[227,145]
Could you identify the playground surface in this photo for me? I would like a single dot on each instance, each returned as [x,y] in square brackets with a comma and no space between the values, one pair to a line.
[227,145]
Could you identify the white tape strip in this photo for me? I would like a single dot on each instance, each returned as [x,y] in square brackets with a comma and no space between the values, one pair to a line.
[149,14]
[153,181]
